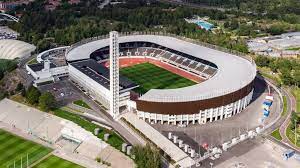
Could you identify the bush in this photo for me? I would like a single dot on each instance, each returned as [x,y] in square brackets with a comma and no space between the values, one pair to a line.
[47,101]
[33,95]
[19,87]
[147,157]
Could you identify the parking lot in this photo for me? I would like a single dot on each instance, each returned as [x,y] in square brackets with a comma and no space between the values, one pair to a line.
[7,33]
[64,91]
[256,153]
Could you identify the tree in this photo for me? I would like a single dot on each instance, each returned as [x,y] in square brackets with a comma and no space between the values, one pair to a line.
[262,61]
[276,29]
[1,74]
[295,119]
[43,45]
[32,95]
[147,157]
[47,101]
[286,77]
[19,87]
[297,77]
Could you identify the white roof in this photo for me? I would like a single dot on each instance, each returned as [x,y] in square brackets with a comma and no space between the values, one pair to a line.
[11,49]
[233,72]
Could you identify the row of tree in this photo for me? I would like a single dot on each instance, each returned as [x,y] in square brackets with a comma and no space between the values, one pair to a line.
[288,69]
[273,9]
[72,23]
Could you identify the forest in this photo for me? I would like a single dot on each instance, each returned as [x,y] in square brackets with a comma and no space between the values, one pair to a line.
[71,23]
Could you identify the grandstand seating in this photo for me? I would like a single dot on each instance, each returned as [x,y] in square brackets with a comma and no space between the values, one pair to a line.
[193,64]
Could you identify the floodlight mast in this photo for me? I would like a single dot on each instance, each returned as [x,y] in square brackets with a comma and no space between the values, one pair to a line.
[114,74]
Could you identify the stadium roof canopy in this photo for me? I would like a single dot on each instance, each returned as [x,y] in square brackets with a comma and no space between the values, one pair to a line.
[11,49]
[233,72]
[100,74]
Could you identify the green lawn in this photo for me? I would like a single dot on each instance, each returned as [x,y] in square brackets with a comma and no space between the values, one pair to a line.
[276,134]
[114,140]
[13,148]
[54,161]
[291,135]
[33,61]
[284,106]
[82,104]
[294,48]
[296,93]
[149,76]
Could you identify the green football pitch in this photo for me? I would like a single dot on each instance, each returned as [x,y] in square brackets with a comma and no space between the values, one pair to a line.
[54,161]
[150,76]
[13,149]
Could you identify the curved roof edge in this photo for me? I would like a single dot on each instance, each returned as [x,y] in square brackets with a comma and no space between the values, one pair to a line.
[234,72]
[11,49]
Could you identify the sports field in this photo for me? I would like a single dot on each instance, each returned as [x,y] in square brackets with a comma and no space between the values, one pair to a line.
[54,161]
[150,76]
[13,148]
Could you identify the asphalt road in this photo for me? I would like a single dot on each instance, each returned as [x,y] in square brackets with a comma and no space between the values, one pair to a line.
[283,122]
[291,106]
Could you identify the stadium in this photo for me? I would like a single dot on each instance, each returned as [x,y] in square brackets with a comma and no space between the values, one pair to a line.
[165,79]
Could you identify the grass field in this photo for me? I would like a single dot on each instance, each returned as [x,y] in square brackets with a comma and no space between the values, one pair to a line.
[149,76]
[114,139]
[284,106]
[276,134]
[291,135]
[54,161]
[13,148]
[82,104]
[296,93]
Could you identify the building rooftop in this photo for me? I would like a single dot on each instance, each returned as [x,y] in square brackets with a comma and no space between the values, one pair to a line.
[100,74]
[11,49]
[39,66]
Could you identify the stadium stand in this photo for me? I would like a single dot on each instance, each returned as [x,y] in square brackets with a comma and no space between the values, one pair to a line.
[203,68]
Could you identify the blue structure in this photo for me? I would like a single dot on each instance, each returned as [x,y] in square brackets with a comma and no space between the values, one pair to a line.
[268,103]
[288,154]
[266,113]
[205,25]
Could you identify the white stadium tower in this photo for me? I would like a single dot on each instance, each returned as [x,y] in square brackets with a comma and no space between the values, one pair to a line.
[114,74]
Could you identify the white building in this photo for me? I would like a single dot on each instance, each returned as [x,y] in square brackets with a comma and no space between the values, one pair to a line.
[94,79]
[46,72]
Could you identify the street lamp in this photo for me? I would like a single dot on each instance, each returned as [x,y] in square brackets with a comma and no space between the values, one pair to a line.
[295,133]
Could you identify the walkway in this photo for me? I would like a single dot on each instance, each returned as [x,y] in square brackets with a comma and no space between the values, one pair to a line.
[283,122]
[291,106]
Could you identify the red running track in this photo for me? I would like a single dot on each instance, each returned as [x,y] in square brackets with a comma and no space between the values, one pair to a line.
[126,62]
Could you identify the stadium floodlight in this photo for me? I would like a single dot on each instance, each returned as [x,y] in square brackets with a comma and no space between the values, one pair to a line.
[114,74]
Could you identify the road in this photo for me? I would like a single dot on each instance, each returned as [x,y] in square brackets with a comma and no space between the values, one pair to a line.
[291,106]
[283,122]
[99,112]
[72,93]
